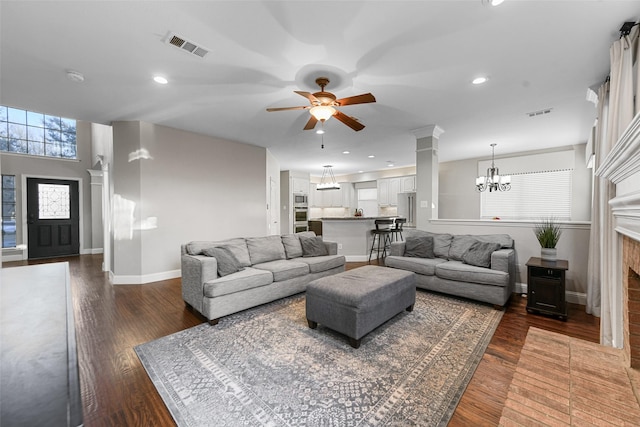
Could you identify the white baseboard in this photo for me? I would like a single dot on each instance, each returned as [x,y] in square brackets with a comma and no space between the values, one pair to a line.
[92,251]
[143,279]
[356,258]
[571,296]
[15,257]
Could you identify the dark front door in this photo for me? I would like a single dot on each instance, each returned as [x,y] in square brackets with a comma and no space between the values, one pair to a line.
[53,217]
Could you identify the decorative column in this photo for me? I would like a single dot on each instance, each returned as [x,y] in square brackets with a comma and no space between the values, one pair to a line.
[427,174]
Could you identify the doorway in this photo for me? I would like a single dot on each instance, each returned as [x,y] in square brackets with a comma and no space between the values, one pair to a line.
[53,220]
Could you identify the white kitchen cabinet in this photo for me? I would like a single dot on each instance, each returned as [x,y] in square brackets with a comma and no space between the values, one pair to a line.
[314,198]
[408,184]
[383,192]
[388,189]
[339,198]
[300,185]
[395,185]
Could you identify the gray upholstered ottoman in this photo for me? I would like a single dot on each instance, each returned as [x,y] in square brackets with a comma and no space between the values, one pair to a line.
[357,301]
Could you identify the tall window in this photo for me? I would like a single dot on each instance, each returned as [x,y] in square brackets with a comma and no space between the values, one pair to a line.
[533,196]
[8,211]
[37,134]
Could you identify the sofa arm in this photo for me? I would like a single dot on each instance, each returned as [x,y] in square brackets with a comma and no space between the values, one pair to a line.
[397,249]
[196,271]
[501,258]
[332,247]
[505,260]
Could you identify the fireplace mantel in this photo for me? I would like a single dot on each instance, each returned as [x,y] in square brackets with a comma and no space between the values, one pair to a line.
[622,167]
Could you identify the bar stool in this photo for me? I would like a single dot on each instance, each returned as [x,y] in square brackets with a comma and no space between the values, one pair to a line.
[382,232]
[397,228]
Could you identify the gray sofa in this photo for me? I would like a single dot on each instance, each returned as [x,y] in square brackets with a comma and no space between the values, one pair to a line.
[459,265]
[268,268]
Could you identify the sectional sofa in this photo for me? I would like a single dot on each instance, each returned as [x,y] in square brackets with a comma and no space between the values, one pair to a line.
[224,277]
[479,267]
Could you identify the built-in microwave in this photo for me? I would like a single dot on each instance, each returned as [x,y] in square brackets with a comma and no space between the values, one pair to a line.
[300,200]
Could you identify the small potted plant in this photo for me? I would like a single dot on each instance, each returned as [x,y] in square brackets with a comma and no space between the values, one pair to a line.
[548,233]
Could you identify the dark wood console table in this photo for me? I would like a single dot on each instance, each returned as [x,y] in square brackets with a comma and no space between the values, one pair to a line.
[39,372]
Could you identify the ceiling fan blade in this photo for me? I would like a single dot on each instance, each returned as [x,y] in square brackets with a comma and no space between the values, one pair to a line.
[358,99]
[349,121]
[311,123]
[312,99]
[287,108]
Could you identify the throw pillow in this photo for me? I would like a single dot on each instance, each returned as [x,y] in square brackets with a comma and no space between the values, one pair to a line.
[227,262]
[313,246]
[479,253]
[292,246]
[419,247]
[459,245]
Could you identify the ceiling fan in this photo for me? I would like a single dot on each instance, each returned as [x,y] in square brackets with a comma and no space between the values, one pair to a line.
[323,106]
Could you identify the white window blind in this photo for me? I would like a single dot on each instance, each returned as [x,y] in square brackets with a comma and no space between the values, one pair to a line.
[532,196]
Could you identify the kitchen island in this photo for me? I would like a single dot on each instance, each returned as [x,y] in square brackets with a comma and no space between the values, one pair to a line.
[353,235]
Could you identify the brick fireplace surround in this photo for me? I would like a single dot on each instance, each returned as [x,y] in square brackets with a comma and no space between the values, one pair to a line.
[631,300]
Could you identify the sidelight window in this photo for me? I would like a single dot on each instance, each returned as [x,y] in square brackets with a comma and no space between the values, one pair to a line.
[8,211]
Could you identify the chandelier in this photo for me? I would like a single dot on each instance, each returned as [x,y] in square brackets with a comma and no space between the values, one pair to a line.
[328,181]
[493,181]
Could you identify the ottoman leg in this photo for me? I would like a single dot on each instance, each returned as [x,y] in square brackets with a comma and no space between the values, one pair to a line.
[354,342]
[312,324]
[410,308]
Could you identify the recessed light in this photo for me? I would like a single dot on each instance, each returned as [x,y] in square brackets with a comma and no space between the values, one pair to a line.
[161,80]
[479,80]
[496,2]
[390,165]
[371,156]
[360,171]
[346,152]
[320,131]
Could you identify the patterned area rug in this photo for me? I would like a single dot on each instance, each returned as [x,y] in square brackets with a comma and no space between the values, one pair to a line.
[265,367]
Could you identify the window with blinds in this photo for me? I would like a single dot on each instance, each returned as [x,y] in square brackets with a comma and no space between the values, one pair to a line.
[532,196]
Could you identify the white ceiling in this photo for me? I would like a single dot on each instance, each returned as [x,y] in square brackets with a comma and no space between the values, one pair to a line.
[416,57]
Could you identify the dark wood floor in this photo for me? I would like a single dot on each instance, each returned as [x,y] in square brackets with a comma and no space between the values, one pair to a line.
[116,391]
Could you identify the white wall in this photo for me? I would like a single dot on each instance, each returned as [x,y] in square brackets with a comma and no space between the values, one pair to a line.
[185,187]
[460,200]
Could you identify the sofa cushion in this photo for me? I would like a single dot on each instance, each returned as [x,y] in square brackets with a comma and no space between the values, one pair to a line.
[313,246]
[237,246]
[284,269]
[265,249]
[248,278]
[419,247]
[424,266]
[227,262]
[479,253]
[323,263]
[456,270]
[459,245]
[291,243]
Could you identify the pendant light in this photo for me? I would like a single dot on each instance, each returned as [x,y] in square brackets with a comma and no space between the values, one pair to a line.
[328,181]
[493,181]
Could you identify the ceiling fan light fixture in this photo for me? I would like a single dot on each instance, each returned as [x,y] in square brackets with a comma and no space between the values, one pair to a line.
[322,112]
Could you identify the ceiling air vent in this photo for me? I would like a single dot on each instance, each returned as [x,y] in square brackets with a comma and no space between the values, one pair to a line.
[186,45]
[539,112]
